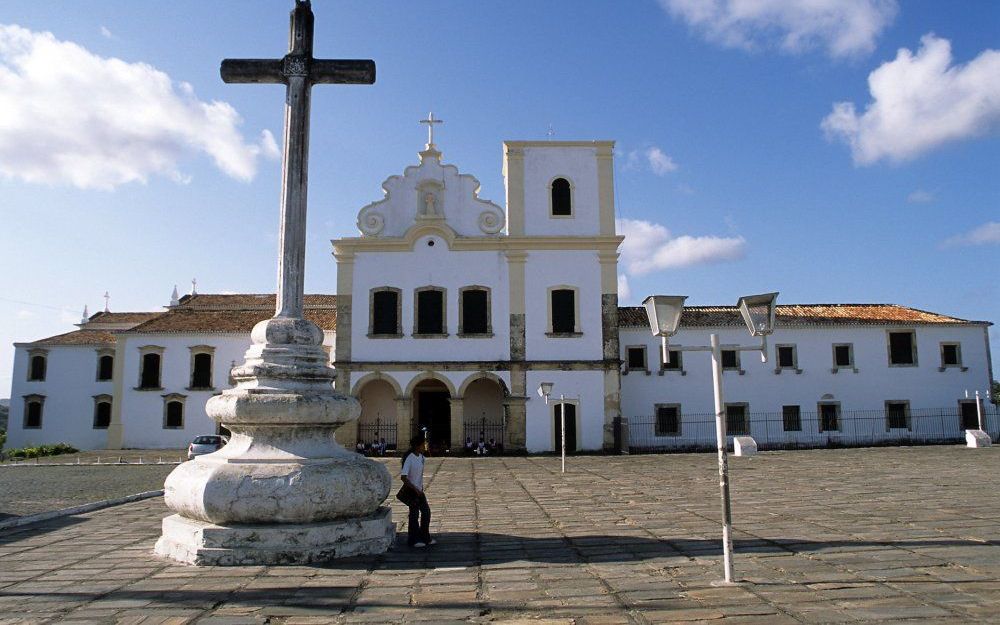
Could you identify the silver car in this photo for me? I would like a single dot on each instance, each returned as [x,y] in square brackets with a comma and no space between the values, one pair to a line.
[205,445]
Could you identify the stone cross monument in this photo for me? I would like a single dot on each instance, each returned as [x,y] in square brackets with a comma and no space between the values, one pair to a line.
[283,491]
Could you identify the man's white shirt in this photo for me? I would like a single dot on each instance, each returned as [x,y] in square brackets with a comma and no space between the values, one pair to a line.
[413,469]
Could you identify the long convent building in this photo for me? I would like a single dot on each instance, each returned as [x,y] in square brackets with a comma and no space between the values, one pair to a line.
[450,310]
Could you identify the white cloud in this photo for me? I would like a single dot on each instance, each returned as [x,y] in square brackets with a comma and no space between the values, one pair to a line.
[660,163]
[72,117]
[920,197]
[842,27]
[986,234]
[650,247]
[920,101]
[106,33]
[25,314]
[624,290]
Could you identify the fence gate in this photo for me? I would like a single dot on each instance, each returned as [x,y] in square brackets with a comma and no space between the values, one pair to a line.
[374,432]
[486,429]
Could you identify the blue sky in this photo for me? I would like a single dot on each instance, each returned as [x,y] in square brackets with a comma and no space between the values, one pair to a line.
[734,162]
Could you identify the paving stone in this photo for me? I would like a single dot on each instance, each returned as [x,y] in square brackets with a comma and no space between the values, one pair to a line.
[821,536]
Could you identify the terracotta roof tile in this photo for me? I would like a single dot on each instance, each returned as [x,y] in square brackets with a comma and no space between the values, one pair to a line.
[121,317]
[79,337]
[211,313]
[248,301]
[800,315]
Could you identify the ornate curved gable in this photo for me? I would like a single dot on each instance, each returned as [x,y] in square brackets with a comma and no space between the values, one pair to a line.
[431,193]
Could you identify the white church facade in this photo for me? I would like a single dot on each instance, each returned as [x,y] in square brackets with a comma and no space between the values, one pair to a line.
[450,310]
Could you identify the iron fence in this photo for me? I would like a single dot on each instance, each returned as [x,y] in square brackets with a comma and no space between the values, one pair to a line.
[490,431]
[372,433]
[672,432]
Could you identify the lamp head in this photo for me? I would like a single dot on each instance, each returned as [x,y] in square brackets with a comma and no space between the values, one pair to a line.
[758,312]
[544,390]
[664,313]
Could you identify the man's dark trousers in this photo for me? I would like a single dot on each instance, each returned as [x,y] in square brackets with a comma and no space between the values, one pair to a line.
[421,533]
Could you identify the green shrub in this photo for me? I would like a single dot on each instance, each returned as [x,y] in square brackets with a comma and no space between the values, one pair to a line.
[42,450]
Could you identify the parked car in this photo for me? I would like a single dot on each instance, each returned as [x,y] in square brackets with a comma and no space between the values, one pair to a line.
[205,445]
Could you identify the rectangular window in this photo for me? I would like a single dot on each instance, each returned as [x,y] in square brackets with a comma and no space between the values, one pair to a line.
[737,420]
[843,355]
[676,360]
[36,368]
[430,312]
[897,415]
[791,417]
[475,311]
[668,420]
[102,414]
[636,358]
[150,376]
[562,194]
[385,313]
[730,359]
[173,417]
[105,367]
[201,370]
[786,357]
[33,412]
[563,311]
[951,354]
[902,348]
[829,417]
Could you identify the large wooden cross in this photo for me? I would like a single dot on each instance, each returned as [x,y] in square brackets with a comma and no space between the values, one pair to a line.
[299,71]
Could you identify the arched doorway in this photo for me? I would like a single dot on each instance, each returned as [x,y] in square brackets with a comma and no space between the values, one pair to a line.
[377,422]
[432,408]
[484,412]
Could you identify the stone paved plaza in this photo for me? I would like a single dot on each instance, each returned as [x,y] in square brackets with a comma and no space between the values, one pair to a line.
[27,490]
[821,536]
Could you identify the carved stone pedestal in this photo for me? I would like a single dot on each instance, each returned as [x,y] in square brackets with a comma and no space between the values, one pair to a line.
[977,438]
[283,491]
[197,542]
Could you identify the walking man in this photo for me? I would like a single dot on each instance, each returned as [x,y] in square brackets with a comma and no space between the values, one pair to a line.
[418,534]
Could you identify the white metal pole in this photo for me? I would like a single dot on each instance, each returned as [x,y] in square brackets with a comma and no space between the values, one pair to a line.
[562,418]
[979,412]
[720,439]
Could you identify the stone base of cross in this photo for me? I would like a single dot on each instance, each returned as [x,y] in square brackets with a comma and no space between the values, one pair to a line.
[282,491]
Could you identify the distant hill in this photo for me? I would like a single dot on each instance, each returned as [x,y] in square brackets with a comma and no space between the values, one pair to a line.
[5,403]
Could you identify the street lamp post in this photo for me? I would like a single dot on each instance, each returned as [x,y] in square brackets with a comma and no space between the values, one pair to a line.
[544,390]
[758,311]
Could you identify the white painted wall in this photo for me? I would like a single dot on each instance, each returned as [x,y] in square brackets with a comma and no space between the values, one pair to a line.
[142,411]
[69,388]
[546,269]
[430,266]
[924,386]
[378,403]
[576,164]
[587,386]
[483,400]
[456,198]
